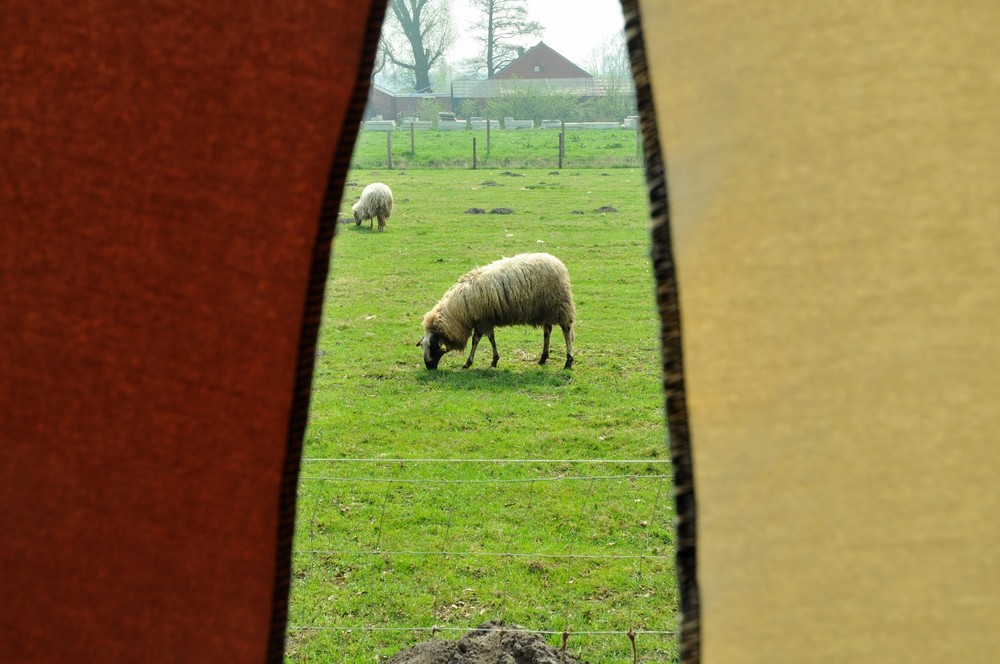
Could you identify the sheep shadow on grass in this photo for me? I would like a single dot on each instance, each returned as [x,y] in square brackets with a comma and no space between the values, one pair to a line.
[495,379]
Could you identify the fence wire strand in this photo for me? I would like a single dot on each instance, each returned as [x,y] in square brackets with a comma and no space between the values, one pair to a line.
[526,480]
[486,554]
[476,460]
[442,628]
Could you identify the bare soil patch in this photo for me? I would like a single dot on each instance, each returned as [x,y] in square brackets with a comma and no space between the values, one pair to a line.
[492,642]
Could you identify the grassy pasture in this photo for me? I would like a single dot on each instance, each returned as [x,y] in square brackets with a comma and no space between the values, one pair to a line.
[460,543]
[518,148]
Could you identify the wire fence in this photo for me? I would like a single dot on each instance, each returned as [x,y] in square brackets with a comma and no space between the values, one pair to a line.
[394,551]
[482,149]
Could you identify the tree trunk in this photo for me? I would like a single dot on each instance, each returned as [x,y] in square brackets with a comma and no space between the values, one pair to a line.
[489,42]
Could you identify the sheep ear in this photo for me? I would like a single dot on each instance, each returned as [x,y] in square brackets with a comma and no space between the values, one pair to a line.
[420,342]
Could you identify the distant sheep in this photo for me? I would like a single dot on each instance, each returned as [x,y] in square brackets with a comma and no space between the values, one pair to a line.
[528,289]
[376,202]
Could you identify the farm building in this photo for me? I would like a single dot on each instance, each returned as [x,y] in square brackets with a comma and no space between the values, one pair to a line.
[539,68]
[388,105]
[542,62]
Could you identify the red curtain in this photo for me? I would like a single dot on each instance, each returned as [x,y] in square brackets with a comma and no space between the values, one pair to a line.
[170,174]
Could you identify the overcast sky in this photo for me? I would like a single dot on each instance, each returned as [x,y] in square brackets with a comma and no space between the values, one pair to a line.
[572,27]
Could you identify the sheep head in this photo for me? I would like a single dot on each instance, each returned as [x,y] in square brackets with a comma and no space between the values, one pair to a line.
[434,349]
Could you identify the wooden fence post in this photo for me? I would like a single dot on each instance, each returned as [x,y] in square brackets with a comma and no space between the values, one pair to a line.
[388,150]
[487,137]
[413,145]
[473,153]
[562,145]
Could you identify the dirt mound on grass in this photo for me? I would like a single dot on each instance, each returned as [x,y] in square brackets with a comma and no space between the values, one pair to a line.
[486,645]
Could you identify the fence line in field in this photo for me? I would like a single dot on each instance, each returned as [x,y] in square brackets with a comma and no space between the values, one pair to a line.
[639,559]
[532,148]
[517,481]
[631,634]
[474,460]
[485,554]
[442,628]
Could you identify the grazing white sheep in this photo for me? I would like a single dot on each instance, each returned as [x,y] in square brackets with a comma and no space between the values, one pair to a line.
[528,289]
[376,202]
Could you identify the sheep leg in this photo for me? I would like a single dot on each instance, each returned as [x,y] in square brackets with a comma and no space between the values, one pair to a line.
[493,342]
[568,336]
[547,333]
[476,336]
[381,223]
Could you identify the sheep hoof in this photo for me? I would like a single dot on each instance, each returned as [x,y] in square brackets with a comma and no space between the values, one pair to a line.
[569,363]
[467,365]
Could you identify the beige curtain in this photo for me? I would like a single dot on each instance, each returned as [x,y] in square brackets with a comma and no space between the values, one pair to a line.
[833,179]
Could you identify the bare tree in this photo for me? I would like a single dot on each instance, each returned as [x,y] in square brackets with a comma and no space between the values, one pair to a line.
[380,58]
[611,58]
[504,26]
[610,64]
[415,35]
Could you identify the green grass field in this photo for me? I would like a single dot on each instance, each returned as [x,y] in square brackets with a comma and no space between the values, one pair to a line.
[386,545]
[520,148]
